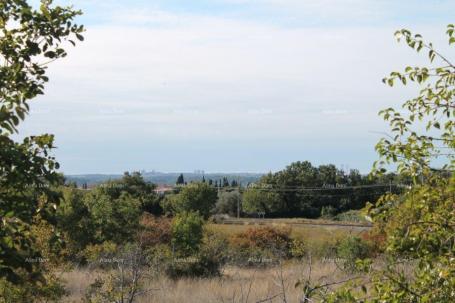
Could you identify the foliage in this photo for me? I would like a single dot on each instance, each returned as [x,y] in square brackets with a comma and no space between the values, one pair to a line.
[208,262]
[154,230]
[113,219]
[302,189]
[328,212]
[180,180]
[109,212]
[351,216]
[298,248]
[433,108]
[49,291]
[228,203]
[276,241]
[95,253]
[125,282]
[420,224]
[75,221]
[187,233]
[29,40]
[257,200]
[135,185]
[195,197]
[351,249]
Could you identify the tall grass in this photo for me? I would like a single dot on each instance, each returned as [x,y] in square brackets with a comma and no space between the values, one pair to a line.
[237,285]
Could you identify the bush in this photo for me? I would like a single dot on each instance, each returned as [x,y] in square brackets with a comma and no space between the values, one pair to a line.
[259,243]
[208,262]
[49,290]
[187,233]
[96,253]
[324,250]
[298,249]
[154,230]
[351,216]
[328,212]
[351,249]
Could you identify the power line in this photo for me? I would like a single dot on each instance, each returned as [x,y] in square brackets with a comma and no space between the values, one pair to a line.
[301,189]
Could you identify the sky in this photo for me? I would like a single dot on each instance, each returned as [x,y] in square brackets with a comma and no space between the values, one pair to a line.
[230,85]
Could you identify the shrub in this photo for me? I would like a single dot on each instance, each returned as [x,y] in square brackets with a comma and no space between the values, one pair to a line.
[352,249]
[187,233]
[154,230]
[125,281]
[264,241]
[351,216]
[324,250]
[328,212]
[376,240]
[96,253]
[208,262]
[49,290]
[298,249]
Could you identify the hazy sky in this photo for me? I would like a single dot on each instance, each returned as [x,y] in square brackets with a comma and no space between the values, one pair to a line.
[229,85]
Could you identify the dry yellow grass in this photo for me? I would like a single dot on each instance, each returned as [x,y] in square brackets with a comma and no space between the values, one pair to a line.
[237,285]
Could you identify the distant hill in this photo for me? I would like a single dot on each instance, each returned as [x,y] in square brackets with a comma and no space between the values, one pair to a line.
[166,178]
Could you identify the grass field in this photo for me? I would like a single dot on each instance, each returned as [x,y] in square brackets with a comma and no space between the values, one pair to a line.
[238,285]
[312,232]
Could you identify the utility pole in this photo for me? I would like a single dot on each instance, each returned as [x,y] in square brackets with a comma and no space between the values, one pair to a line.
[238,200]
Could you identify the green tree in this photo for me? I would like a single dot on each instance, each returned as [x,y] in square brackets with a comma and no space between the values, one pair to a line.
[29,40]
[135,185]
[187,233]
[198,197]
[114,220]
[420,224]
[258,200]
[74,219]
[180,180]
[414,152]
[228,203]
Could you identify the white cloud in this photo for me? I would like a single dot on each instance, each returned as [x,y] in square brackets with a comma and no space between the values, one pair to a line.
[175,77]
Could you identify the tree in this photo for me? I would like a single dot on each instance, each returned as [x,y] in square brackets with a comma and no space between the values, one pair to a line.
[256,200]
[114,220]
[228,203]
[195,197]
[434,107]
[75,221]
[180,180]
[187,233]
[225,182]
[135,185]
[30,39]
[420,224]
